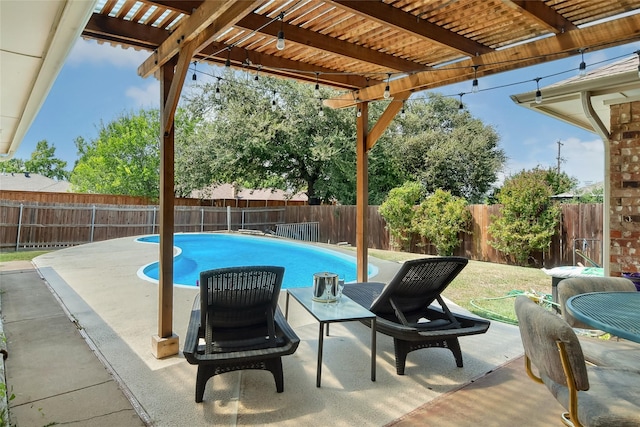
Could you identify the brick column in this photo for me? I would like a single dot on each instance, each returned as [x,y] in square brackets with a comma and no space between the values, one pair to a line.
[624,227]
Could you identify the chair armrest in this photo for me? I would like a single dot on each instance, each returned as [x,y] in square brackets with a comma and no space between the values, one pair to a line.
[283,325]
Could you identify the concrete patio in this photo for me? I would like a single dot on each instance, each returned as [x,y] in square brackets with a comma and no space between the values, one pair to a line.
[116,313]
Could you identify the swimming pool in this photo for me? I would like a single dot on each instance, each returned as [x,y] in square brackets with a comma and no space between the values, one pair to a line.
[203,251]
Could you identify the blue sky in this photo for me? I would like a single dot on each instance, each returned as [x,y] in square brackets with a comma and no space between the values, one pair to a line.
[99,83]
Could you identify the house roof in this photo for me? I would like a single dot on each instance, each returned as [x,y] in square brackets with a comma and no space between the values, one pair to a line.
[31,182]
[228,192]
[584,101]
[358,46]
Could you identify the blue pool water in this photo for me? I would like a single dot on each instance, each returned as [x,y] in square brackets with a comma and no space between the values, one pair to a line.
[201,251]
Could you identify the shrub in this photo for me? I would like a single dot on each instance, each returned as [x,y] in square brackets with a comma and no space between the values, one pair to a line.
[528,216]
[398,211]
[440,219]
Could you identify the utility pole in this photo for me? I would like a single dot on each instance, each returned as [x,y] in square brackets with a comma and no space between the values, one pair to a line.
[560,159]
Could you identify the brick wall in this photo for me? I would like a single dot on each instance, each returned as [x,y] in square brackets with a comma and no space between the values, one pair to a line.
[625,188]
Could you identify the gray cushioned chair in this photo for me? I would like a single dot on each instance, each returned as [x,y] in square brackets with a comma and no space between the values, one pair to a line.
[593,396]
[613,352]
[236,324]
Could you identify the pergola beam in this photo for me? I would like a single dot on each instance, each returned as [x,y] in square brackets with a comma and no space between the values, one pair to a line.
[206,22]
[391,16]
[319,41]
[597,37]
[546,15]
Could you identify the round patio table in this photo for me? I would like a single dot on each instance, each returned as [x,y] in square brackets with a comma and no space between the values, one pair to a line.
[615,312]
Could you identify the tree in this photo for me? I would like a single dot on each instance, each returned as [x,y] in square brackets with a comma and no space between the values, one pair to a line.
[42,161]
[443,147]
[398,211]
[440,218]
[123,159]
[271,135]
[528,218]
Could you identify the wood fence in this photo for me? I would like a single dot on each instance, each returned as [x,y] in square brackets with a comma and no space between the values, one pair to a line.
[31,225]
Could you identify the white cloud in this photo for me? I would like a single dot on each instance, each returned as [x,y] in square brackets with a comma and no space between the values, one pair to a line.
[146,95]
[581,159]
[90,52]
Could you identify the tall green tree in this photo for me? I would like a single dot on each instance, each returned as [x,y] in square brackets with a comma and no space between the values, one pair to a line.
[269,134]
[43,161]
[528,217]
[123,159]
[445,147]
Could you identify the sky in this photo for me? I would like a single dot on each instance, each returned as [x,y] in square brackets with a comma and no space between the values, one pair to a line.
[100,83]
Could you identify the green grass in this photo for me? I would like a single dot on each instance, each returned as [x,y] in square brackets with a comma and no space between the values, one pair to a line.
[20,255]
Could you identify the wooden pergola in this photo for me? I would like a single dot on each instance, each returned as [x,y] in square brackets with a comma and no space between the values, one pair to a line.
[373,50]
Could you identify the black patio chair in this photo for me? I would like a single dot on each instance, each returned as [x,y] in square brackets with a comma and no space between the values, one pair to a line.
[236,324]
[405,312]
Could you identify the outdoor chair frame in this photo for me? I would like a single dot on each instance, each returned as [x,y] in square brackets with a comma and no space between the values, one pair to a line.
[236,324]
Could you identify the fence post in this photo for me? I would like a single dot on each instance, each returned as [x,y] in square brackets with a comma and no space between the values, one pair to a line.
[228,218]
[19,227]
[201,220]
[153,224]
[93,221]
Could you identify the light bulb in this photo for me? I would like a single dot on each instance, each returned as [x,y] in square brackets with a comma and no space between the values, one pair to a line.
[359,113]
[273,105]
[386,93]
[474,86]
[402,114]
[316,91]
[582,69]
[280,42]
[321,112]
[217,92]
[194,77]
[538,96]
[227,63]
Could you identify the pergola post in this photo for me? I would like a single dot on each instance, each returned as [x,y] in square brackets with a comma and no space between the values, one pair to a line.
[362,192]
[166,343]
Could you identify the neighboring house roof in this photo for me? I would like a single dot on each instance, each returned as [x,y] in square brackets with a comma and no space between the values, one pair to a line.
[31,182]
[228,192]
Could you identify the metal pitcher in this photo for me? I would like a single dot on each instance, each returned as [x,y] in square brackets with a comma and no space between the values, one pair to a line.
[325,287]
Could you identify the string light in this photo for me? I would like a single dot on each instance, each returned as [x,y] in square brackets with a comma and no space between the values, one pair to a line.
[387,92]
[538,93]
[280,42]
[217,94]
[256,77]
[460,105]
[474,84]
[194,77]
[402,114]
[316,91]
[582,69]
[227,63]
[359,113]
[320,109]
[273,102]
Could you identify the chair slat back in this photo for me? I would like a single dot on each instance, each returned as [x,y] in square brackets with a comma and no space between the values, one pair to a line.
[540,331]
[418,283]
[239,296]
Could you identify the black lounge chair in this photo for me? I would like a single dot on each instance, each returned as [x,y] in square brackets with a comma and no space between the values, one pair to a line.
[404,311]
[236,324]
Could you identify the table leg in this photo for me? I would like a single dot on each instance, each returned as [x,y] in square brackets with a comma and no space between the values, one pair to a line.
[320,343]
[373,349]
